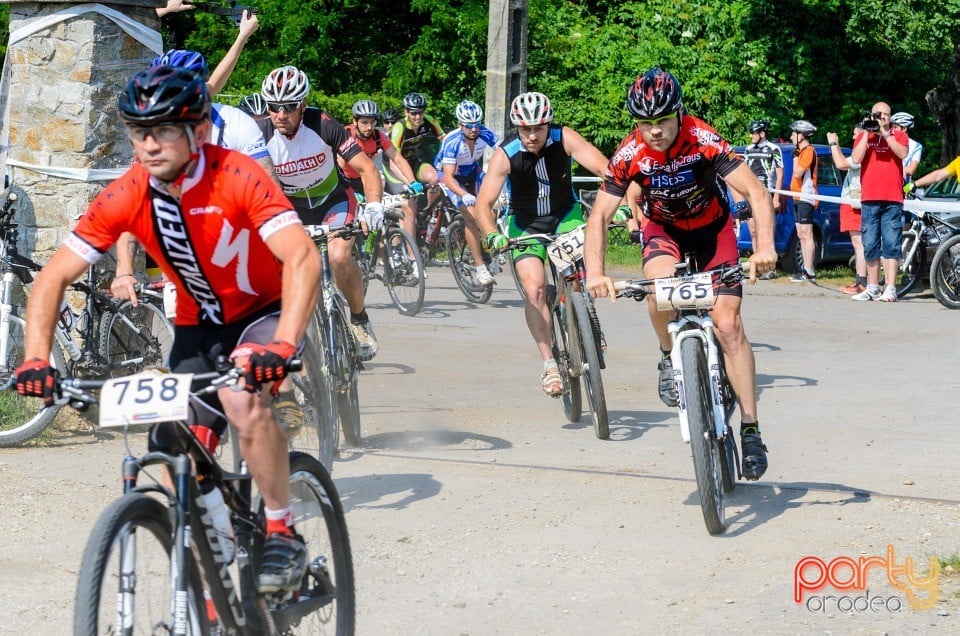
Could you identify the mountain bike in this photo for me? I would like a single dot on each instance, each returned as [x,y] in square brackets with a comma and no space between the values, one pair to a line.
[432,224]
[108,338]
[337,353]
[403,273]
[463,265]
[924,230]
[707,401]
[578,343]
[154,561]
[945,272]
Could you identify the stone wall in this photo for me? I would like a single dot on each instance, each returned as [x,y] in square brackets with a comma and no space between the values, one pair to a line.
[62,87]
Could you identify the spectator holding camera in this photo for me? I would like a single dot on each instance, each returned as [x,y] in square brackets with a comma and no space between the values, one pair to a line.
[804,183]
[880,150]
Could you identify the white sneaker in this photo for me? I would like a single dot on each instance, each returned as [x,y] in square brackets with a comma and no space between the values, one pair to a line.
[484,277]
[870,293]
[366,340]
[889,294]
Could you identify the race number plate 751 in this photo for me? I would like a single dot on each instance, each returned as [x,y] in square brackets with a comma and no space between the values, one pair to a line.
[145,398]
[685,292]
[567,248]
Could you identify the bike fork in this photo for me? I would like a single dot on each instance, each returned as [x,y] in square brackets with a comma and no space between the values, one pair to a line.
[705,335]
[6,309]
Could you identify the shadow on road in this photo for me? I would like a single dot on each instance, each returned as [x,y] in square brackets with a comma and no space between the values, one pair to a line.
[424,440]
[627,425]
[762,502]
[393,491]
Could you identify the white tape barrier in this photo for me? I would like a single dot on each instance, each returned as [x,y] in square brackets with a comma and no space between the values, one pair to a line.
[910,205]
[146,36]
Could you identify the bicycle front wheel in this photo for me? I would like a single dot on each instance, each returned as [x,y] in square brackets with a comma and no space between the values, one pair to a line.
[326,603]
[24,417]
[132,338]
[703,443]
[314,389]
[403,271]
[945,273]
[570,399]
[124,585]
[348,400]
[911,271]
[462,263]
[590,355]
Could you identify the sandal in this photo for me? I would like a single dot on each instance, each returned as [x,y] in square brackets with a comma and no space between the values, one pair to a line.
[551,382]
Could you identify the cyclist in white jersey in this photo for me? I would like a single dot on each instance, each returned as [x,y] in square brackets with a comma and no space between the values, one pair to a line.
[460,165]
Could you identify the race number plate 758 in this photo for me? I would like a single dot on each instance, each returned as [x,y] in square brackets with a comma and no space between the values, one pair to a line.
[145,398]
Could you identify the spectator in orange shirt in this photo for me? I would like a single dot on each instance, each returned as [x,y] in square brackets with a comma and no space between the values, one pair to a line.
[804,183]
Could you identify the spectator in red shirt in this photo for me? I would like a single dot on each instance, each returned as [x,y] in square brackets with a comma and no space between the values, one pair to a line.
[880,151]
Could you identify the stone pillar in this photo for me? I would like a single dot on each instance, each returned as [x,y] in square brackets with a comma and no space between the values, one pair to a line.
[59,93]
[506,60]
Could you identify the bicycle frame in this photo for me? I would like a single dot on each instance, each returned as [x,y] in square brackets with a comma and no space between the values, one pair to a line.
[699,327]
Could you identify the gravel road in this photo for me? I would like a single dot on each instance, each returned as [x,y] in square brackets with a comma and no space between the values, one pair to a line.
[474,507]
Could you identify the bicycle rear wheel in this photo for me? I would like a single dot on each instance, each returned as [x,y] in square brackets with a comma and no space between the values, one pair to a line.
[570,399]
[945,273]
[25,417]
[124,585]
[326,603]
[590,354]
[703,442]
[314,390]
[462,263]
[910,273]
[348,400]
[403,271]
[132,338]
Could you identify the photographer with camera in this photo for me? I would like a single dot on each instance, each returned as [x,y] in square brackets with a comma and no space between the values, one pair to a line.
[880,151]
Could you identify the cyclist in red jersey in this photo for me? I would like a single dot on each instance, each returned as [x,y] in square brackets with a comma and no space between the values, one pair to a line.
[225,234]
[372,140]
[681,165]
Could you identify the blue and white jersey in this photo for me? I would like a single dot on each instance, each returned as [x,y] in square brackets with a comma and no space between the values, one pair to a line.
[456,152]
[236,130]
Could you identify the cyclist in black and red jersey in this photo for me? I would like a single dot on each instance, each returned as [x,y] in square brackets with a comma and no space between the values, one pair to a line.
[246,274]
[681,164]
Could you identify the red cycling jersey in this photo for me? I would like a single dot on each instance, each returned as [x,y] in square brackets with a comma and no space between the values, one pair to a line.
[679,187]
[211,243]
[370,146]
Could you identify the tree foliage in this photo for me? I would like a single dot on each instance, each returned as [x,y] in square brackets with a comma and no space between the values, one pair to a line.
[821,60]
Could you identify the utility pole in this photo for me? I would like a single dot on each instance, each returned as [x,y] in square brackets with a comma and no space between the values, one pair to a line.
[506,60]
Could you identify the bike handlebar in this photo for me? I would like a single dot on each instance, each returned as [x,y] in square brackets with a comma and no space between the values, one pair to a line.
[640,289]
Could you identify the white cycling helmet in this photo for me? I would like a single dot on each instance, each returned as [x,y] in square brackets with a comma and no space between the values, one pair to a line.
[531,109]
[803,127]
[365,108]
[904,120]
[469,112]
[285,84]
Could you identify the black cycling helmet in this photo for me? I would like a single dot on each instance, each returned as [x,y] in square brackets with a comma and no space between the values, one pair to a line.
[365,108]
[414,101]
[391,116]
[253,105]
[759,126]
[164,94]
[654,94]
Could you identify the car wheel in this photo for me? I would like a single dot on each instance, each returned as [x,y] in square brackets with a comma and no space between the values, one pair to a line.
[793,257]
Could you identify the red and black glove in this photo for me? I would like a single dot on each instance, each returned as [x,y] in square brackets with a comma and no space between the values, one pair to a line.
[36,378]
[266,363]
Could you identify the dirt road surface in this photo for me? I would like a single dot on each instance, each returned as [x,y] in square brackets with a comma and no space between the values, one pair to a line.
[474,507]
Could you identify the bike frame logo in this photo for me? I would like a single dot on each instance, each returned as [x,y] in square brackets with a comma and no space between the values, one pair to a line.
[812,574]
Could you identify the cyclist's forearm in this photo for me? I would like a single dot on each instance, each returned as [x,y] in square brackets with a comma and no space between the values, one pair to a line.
[126,248]
[43,304]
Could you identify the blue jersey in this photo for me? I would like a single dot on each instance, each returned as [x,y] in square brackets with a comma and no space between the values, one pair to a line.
[456,152]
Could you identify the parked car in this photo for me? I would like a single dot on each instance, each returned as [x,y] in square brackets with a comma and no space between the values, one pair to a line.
[832,245]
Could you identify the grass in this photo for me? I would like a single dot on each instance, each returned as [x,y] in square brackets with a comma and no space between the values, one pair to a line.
[12,407]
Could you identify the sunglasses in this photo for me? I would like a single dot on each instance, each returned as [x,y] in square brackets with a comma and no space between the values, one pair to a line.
[287,107]
[162,133]
[415,112]
[470,126]
[656,122]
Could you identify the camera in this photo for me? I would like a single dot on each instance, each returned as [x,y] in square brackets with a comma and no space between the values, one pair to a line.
[871,121]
